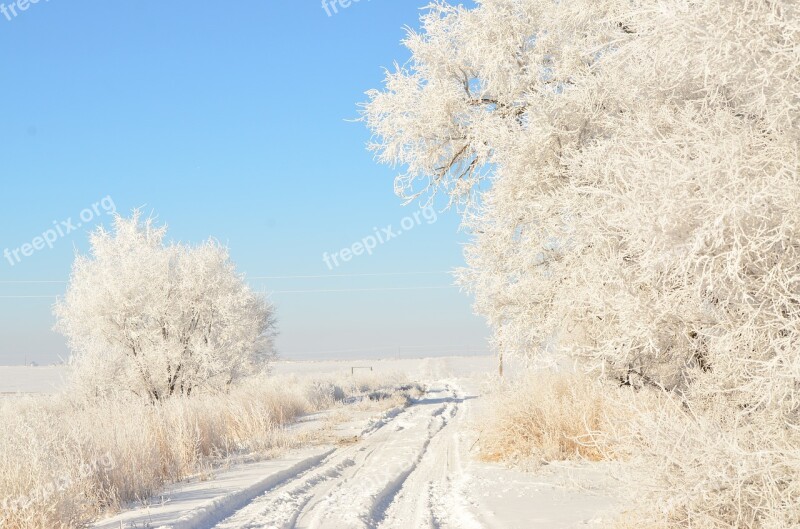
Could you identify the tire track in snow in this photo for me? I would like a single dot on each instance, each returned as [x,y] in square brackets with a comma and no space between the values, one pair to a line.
[360,500]
[357,485]
[435,496]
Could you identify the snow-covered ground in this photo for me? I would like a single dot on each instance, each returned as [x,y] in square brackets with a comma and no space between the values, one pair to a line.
[52,379]
[15,380]
[407,468]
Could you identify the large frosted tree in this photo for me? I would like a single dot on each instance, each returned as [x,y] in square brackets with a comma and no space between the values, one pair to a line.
[641,160]
[631,175]
[160,320]
[503,94]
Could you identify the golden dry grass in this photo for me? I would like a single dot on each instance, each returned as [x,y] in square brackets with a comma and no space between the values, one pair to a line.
[553,416]
[64,461]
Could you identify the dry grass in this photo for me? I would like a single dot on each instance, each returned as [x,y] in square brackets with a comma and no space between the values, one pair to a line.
[713,466]
[372,403]
[635,521]
[554,416]
[64,461]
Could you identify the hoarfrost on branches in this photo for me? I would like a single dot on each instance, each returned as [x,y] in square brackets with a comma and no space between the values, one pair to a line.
[160,320]
[640,212]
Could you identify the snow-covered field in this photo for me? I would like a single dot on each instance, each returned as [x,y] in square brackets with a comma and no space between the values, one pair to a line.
[421,369]
[409,468]
[51,379]
[14,380]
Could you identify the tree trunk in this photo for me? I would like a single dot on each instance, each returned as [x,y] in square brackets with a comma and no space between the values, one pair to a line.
[500,363]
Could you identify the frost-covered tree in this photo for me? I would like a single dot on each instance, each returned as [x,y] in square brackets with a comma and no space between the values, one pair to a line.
[497,95]
[160,320]
[631,170]
[613,136]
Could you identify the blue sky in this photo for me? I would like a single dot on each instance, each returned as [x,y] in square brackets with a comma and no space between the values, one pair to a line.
[227,120]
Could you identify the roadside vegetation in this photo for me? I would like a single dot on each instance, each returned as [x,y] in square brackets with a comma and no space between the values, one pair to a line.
[65,461]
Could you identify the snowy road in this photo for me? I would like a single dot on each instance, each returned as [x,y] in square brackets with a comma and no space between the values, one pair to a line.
[408,468]
[410,472]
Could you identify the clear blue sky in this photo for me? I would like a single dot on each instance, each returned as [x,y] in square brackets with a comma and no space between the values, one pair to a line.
[228,120]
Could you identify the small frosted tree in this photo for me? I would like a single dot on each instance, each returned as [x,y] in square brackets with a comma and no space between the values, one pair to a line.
[160,320]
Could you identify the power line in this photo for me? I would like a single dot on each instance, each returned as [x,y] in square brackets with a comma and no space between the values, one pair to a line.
[28,297]
[29,282]
[477,348]
[321,276]
[380,289]
[310,291]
